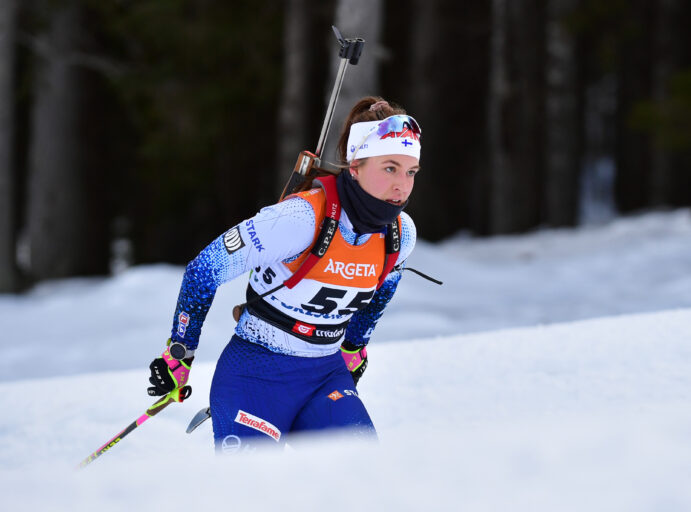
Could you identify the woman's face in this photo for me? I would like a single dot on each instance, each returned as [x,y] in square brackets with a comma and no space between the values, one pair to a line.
[388,177]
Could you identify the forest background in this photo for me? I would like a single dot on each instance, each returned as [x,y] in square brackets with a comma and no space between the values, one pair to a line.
[136,131]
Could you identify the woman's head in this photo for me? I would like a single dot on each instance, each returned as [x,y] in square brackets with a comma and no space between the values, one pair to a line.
[381,146]
[369,108]
[389,178]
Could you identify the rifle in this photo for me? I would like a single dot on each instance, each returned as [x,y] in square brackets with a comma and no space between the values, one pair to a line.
[308,164]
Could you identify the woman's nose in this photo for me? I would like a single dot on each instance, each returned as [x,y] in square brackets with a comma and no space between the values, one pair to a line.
[400,182]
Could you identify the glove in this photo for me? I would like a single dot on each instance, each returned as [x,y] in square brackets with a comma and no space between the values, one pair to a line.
[168,372]
[355,359]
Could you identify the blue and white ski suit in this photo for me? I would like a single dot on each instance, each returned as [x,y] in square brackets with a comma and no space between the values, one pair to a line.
[271,380]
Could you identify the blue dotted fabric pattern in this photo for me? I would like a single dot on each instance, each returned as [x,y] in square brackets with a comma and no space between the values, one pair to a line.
[350,236]
[408,237]
[362,323]
[215,266]
[203,275]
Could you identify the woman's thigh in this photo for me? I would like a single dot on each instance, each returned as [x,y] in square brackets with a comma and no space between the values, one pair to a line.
[250,403]
[336,405]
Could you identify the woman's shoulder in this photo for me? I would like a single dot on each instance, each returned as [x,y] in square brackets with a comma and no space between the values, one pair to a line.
[408,236]
[301,208]
[310,201]
[407,223]
[290,218]
[280,230]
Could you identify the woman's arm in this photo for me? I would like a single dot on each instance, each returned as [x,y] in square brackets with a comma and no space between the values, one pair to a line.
[362,324]
[277,232]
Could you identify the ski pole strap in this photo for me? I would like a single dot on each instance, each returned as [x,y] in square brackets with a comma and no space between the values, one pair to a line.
[177,395]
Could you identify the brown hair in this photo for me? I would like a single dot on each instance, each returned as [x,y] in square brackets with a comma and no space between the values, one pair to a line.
[364,110]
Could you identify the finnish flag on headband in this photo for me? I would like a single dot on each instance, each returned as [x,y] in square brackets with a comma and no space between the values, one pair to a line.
[395,135]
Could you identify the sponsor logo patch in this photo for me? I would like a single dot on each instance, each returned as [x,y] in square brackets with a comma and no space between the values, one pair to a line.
[233,241]
[335,395]
[304,329]
[231,444]
[247,419]
[253,235]
[335,334]
[183,322]
[351,270]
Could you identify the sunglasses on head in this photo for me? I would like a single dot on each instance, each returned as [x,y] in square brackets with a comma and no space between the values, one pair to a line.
[400,125]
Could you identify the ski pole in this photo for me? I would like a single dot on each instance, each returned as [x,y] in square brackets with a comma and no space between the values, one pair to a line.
[307,162]
[199,418]
[177,395]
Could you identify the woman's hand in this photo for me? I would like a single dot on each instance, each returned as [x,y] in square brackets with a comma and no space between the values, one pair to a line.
[355,359]
[171,370]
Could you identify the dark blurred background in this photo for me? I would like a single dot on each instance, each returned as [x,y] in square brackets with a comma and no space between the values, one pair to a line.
[136,131]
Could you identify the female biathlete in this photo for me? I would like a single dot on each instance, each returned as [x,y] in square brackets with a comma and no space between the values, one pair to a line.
[299,350]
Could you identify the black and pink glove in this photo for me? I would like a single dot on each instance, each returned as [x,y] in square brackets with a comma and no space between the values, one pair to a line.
[355,359]
[171,370]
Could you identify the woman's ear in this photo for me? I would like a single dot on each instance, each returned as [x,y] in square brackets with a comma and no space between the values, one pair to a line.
[354,169]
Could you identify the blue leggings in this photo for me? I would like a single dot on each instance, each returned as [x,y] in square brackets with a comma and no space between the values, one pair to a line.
[259,396]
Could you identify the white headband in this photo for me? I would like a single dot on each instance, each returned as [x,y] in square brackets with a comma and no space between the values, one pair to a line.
[395,135]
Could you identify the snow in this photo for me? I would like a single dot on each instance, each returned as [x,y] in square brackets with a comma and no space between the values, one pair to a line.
[552,371]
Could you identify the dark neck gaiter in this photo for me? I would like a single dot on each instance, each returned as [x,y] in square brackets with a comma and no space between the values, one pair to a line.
[367,213]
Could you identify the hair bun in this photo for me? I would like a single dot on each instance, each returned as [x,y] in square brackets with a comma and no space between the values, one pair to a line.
[379,105]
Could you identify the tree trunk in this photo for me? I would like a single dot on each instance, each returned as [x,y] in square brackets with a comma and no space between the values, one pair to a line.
[8,20]
[293,119]
[437,68]
[665,60]
[633,148]
[499,163]
[562,133]
[515,114]
[427,203]
[64,210]
[355,18]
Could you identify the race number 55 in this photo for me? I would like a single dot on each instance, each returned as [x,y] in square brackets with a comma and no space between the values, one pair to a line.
[329,299]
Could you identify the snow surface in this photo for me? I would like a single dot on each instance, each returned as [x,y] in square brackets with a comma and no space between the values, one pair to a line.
[581,415]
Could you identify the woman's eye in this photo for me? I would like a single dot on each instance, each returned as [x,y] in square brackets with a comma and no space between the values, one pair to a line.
[390,169]
[412,172]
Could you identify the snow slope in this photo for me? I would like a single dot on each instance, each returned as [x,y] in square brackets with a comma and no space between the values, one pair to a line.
[631,265]
[593,415]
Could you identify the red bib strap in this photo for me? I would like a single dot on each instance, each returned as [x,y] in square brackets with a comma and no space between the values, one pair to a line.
[328,230]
